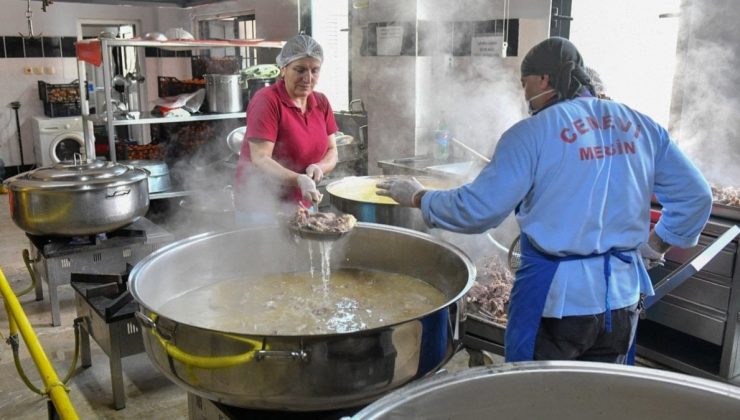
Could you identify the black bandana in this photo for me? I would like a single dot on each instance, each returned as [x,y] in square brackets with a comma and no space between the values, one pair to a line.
[558,58]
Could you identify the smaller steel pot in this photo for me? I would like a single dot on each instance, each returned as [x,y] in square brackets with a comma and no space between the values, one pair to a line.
[253,85]
[224,92]
[159,174]
[78,198]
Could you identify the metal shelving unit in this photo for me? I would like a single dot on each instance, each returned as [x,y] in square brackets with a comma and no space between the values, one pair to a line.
[99,52]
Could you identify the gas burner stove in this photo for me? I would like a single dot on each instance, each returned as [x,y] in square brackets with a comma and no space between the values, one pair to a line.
[107,309]
[107,294]
[54,259]
[58,245]
[200,408]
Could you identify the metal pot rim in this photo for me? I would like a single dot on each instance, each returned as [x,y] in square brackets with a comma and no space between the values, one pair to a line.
[142,265]
[80,180]
[432,384]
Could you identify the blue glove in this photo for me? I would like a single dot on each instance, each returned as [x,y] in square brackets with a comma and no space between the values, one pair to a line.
[404,191]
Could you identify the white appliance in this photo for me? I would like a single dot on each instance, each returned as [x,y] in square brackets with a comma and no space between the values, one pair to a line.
[57,139]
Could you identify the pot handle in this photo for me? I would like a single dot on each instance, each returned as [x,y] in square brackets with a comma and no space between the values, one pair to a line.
[203,362]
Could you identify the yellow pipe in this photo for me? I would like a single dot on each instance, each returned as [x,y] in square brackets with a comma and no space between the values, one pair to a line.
[19,322]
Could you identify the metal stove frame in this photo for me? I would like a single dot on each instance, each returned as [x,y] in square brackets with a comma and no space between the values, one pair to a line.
[200,408]
[118,337]
[56,270]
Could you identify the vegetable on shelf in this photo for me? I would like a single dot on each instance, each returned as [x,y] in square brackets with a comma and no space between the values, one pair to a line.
[261,71]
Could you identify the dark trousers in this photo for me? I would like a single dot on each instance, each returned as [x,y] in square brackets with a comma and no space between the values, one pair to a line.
[585,337]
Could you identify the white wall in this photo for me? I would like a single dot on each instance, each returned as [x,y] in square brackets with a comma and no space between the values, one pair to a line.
[277,20]
[405,95]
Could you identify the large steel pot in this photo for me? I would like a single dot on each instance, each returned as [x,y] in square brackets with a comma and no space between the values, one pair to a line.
[559,391]
[355,195]
[78,198]
[224,92]
[308,372]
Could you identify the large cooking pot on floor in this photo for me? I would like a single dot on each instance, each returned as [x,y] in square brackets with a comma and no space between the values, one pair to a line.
[559,391]
[78,198]
[298,372]
[356,195]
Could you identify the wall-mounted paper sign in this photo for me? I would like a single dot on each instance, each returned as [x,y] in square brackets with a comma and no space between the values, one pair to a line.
[390,40]
[487,45]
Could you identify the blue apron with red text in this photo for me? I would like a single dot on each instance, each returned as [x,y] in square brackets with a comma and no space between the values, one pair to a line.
[528,297]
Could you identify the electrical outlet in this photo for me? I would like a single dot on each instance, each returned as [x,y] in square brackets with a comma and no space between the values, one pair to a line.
[27,70]
[38,70]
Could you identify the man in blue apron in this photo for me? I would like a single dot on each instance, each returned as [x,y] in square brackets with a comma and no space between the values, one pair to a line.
[580,173]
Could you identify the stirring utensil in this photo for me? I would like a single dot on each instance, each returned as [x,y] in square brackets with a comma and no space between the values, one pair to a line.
[471,150]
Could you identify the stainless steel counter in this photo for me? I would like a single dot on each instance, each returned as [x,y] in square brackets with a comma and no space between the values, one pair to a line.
[427,165]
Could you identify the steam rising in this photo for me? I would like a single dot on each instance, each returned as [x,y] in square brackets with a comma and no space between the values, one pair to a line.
[479,98]
[709,126]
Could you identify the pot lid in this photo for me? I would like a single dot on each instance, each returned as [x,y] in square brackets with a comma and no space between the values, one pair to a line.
[77,176]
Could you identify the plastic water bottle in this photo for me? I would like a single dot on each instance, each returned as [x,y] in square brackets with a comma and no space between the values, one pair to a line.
[441,142]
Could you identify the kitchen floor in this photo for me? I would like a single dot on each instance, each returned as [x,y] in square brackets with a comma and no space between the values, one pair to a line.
[149,394]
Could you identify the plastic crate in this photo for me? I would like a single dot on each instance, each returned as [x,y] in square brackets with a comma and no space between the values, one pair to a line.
[54,110]
[59,93]
[127,151]
[201,65]
[172,86]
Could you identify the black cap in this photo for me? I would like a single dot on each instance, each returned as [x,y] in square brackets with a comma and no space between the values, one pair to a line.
[558,58]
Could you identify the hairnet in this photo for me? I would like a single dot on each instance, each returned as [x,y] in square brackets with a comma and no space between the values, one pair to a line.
[558,58]
[299,47]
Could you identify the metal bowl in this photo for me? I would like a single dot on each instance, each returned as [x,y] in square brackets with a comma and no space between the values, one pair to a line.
[235,139]
[348,195]
[155,36]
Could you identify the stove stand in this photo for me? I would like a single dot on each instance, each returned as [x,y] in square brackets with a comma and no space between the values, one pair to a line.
[107,308]
[54,259]
[200,408]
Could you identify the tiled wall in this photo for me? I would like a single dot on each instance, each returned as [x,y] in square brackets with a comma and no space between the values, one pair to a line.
[51,59]
[46,46]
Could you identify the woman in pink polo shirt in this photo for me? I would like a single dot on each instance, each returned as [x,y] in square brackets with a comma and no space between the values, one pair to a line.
[289,140]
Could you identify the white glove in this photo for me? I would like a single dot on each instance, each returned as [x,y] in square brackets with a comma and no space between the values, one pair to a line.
[308,188]
[314,172]
[404,191]
[650,256]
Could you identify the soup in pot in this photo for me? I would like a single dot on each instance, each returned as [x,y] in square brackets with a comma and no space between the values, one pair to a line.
[299,304]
